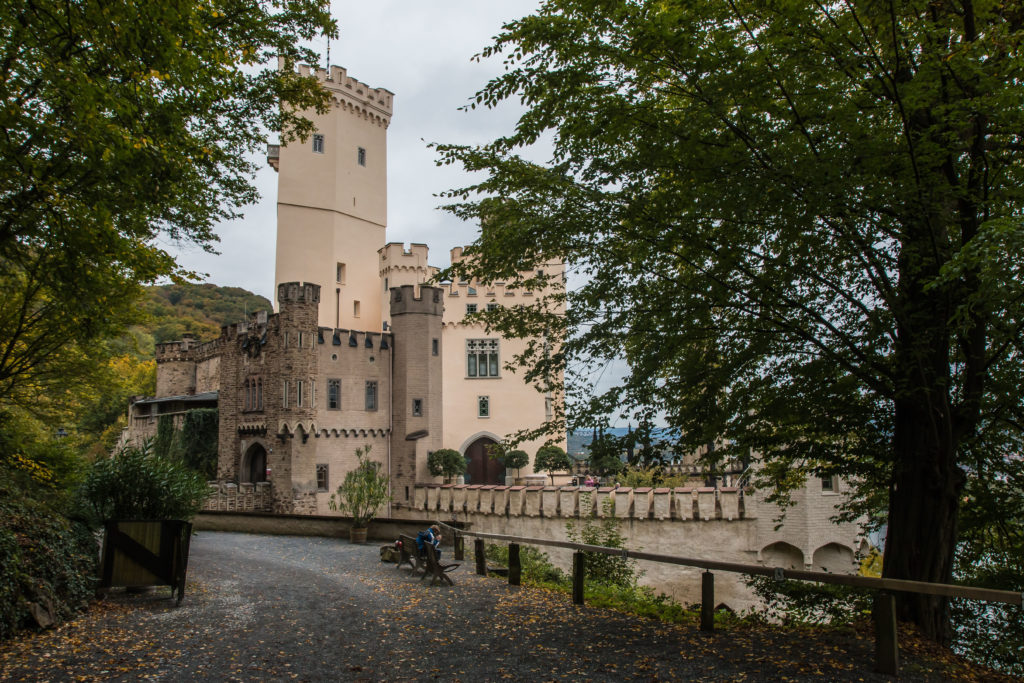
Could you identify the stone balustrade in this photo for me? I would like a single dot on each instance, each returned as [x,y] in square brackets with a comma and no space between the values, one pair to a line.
[681,503]
[230,497]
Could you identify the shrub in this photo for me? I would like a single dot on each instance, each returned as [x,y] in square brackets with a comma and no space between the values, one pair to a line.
[535,564]
[610,570]
[136,484]
[516,460]
[44,558]
[362,493]
[803,602]
[446,462]
[551,459]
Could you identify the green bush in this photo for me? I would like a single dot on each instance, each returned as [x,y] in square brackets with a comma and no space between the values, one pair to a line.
[610,570]
[44,558]
[364,490]
[551,459]
[535,564]
[803,602]
[136,484]
[446,462]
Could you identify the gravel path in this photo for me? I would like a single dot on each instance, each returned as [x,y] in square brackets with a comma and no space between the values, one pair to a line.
[276,608]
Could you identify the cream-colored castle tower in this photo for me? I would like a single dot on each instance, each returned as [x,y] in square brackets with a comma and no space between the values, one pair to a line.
[332,202]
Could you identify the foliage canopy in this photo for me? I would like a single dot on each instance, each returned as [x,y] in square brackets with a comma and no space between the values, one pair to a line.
[363,491]
[796,223]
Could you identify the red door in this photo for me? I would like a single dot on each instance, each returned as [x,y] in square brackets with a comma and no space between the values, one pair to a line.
[481,469]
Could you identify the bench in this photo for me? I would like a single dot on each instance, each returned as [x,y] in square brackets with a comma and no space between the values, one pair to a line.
[408,554]
[436,569]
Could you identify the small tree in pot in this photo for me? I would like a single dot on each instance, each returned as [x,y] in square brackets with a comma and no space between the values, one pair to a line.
[362,493]
[551,459]
[447,463]
[516,460]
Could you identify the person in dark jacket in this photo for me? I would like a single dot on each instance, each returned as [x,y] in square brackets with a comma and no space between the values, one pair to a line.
[430,538]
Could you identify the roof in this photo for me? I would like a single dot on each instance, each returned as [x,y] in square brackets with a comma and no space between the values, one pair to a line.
[188,398]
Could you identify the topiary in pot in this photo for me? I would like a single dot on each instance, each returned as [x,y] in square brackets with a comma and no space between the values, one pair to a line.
[361,494]
[516,460]
[447,463]
[551,459]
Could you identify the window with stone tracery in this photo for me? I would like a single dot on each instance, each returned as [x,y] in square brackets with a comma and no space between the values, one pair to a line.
[482,358]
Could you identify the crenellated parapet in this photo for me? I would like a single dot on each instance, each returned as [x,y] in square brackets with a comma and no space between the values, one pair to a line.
[682,504]
[406,299]
[353,95]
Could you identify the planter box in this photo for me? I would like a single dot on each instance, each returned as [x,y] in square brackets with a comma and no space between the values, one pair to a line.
[145,553]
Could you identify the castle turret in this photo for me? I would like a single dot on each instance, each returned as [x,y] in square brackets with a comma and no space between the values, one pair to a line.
[416,400]
[176,367]
[332,201]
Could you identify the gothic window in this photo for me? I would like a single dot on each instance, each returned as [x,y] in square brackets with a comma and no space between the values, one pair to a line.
[361,156]
[321,477]
[483,406]
[482,358]
[417,407]
[334,394]
[371,395]
[318,143]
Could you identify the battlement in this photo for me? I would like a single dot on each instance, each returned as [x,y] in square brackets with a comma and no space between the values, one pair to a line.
[339,83]
[404,299]
[298,293]
[396,253]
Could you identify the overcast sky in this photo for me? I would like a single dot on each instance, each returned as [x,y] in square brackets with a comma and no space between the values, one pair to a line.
[421,51]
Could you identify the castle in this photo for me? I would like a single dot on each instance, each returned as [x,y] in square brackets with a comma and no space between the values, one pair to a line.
[361,351]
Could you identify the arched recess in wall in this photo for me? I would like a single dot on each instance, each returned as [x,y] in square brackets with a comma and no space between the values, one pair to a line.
[254,465]
[480,468]
[833,557]
[782,554]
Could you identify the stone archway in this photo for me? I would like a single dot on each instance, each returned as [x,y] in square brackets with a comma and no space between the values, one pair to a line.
[481,469]
[254,465]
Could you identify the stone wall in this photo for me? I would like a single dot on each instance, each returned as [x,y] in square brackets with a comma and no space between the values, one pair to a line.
[228,497]
[723,524]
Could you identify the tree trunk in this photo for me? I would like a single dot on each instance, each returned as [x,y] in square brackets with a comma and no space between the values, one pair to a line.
[923,513]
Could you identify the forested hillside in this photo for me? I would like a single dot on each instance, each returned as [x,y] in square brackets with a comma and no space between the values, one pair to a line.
[198,309]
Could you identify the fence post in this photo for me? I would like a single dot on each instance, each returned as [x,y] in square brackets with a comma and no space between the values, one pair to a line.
[887,648]
[460,547]
[707,601]
[515,569]
[481,560]
[579,564]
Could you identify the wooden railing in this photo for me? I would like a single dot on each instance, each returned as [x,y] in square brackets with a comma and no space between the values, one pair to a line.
[884,612]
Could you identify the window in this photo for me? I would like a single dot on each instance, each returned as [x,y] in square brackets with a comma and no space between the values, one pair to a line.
[259,394]
[434,347]
[491,307]
[318,143]
[547,407]
[482,358]
[417,407]
[483,406]
[471,291]
[829,484]
[299,394]
[355,309]
[371,395]
[361,156]
[334,394]
[321,477]
[385,284]
[470,308]
[340,274]
[300,339]
[286,339]
[284,400]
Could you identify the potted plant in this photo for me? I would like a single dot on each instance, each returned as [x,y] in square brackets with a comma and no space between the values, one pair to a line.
[551,459]
[516,460]
[447,463]
[362,493]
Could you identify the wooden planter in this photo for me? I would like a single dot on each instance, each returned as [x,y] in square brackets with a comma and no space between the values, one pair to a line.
[357,534]
[145,553]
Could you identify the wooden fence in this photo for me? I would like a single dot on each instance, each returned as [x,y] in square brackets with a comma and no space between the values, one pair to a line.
[884,612]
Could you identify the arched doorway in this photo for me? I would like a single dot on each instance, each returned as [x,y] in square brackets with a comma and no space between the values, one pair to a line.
[254,465]
[481,469]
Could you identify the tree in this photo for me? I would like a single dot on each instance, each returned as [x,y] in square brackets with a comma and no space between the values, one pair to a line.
[796,223]
[364,490]
[446,462]
[127,125]
[516,460]
[551,459]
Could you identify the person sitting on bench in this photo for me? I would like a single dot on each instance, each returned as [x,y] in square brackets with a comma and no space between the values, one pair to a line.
[429,538]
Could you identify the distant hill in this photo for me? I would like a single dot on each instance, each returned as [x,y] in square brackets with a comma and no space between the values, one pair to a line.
[197,309]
